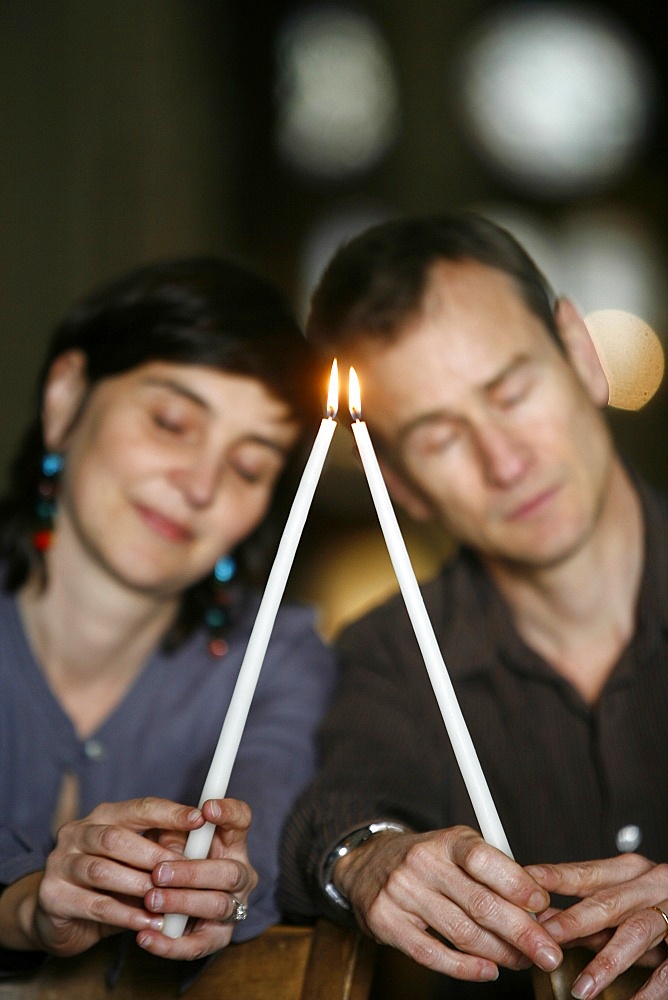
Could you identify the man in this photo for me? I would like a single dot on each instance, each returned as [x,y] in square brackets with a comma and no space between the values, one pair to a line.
[483,397]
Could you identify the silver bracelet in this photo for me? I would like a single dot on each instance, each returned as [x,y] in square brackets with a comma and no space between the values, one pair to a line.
[346,845]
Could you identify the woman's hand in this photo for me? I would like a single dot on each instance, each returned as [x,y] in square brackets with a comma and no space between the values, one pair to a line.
[208,890]
[619,916]
[107,871]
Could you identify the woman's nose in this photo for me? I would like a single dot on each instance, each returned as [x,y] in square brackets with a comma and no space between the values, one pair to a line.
[199,479]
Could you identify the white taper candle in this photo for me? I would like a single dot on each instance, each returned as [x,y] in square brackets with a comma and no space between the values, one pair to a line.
[462,744]
[215,785]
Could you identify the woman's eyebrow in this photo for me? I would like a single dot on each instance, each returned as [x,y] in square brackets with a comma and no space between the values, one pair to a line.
[178,388]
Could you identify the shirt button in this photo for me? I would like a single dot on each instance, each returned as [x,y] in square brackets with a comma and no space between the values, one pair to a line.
[628,838]
[93,749]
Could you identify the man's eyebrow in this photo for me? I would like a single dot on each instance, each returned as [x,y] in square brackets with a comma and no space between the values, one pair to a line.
[442,415]
[423,420]
[516,364]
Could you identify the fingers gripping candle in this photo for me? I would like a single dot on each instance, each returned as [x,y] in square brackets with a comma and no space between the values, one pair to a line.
[215,785]
[467,758]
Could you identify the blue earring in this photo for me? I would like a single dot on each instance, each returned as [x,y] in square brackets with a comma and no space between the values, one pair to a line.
[217,617]
[46,505]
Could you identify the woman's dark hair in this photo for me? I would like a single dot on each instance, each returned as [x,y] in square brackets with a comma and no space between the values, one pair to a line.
[378,280]
[199,311]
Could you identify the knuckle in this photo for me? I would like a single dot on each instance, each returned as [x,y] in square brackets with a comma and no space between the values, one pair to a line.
[467,936]
[146,805]
[67,832]
[423,952]
[482,905]
[243,813]
[378,916]
[418,856]
[579,874]
[100,908]
[94,871]
[606,964]
[661,974]
[109,838]
[525,938]
[49,895]
[637,864]
[638,928]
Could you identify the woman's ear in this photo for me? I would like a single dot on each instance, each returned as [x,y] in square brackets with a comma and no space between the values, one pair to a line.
[65,388]
[581,351]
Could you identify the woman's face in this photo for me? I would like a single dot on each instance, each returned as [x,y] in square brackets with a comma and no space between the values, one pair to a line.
[167,467]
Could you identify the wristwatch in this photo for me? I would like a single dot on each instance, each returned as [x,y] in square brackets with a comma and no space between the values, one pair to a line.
[349,843]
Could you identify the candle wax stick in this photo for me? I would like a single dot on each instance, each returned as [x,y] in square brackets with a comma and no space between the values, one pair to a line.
[215,785]
[467,758]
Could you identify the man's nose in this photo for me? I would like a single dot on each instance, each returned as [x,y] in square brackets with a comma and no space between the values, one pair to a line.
[504,455]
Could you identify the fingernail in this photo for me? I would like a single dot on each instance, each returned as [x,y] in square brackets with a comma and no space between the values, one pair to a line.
[537,902]
[163,874]
[143,939]
[193,816]
[537,871]
[548,958]
[489,974]
[215,810]
[153,923]
[155,900]
[583,988]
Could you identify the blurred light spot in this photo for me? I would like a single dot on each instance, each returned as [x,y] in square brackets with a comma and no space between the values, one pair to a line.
[337,99]
[556,96]
[610,259]
[631,355]
[325,237]
[601,259]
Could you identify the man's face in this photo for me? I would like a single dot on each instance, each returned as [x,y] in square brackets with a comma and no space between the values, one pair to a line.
[488,424]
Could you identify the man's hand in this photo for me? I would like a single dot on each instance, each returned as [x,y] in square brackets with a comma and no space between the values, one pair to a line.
[619,916]
[421,893]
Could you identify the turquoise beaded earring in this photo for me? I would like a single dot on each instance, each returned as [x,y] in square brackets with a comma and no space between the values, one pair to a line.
[45,508]
[217,617]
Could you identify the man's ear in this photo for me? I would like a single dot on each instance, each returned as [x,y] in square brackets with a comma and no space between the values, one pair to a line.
[581,351]
[405,494]
[65,389]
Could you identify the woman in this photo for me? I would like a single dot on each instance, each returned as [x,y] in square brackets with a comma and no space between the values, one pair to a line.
[170,404]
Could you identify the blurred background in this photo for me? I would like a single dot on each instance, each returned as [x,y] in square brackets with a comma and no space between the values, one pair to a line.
[138,129]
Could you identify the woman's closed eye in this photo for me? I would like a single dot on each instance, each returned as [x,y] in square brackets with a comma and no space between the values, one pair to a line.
[256,463]
[177,420]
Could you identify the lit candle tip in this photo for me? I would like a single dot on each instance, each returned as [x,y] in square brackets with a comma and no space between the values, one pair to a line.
[354,395]
[333,393]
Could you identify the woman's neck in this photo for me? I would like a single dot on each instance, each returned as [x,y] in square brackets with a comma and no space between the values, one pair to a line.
[90,635]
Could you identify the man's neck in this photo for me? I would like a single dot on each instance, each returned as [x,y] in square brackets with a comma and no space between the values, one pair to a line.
[580,614]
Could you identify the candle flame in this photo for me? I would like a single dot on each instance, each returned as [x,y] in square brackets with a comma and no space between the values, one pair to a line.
[333,393]
[354,395]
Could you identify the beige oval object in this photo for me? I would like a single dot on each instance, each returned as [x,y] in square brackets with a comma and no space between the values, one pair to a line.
[631,355]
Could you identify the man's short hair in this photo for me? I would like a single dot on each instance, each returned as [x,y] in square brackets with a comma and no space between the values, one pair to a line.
[377,280]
